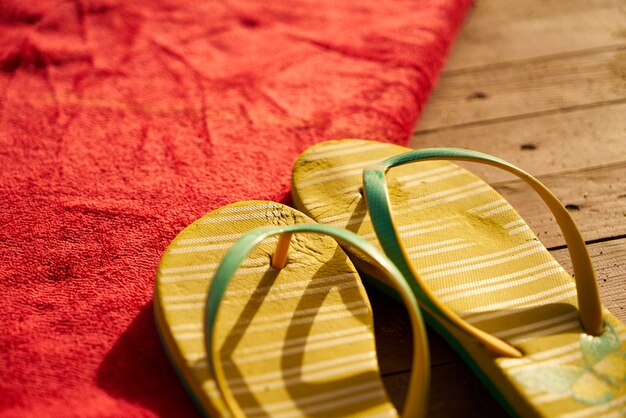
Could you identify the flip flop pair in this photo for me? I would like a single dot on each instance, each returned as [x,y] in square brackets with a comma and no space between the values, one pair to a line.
[541,342]
[263,314]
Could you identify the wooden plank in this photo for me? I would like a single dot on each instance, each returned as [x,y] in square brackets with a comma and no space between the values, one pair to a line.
[550,84]
[454,392]
[494,33]
[393,330]
[596,198]
[543,144]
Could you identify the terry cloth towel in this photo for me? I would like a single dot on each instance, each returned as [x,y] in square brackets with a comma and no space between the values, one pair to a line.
[123,121]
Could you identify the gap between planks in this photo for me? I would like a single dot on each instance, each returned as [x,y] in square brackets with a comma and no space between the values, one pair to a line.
[494,33]
[526,89]
[535,58]
[522,116]
[543,144]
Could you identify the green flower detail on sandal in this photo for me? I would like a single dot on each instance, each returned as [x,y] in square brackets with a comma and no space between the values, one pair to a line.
[594,380]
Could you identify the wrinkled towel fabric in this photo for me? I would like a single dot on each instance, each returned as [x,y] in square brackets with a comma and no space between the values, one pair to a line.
[122,122]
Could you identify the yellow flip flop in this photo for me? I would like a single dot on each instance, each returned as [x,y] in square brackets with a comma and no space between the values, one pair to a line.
[258,323]
[540,341]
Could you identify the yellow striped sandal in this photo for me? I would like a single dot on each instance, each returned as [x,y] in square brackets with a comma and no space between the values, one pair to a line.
[262,314]
[540,341]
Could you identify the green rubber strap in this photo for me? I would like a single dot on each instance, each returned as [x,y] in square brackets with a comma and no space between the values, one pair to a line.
[377,197]
[418,387]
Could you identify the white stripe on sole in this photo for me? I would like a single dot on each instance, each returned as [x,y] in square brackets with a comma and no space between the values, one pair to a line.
[524,300]
[494,280]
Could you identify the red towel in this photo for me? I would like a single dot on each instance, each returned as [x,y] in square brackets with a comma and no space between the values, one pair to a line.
[123,121]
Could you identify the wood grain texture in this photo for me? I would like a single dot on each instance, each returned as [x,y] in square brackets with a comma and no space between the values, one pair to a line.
[595,197]
[544,144]
[497,32]
[549,84]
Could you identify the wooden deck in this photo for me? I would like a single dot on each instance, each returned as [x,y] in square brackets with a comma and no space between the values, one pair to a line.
[541,83]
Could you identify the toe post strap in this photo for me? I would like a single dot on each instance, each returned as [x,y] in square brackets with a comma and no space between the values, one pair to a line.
[378,201]
[279,259]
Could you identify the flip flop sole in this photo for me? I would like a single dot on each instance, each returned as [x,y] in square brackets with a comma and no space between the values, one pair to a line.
[293,342]
[480,258]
